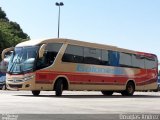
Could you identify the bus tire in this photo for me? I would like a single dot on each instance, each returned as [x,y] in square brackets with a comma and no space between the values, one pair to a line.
[59,87]
[107,93]
[130,88]
[35,92]
[156,90]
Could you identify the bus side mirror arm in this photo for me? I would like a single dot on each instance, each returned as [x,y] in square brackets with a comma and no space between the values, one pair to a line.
[5,51]
[42,50]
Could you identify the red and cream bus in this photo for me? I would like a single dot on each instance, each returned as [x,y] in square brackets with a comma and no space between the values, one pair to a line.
[64,64]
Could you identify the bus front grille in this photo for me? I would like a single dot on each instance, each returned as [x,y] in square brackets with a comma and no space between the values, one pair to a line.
[15,86]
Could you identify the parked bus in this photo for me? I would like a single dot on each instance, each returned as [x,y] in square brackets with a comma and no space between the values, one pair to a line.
[64,64]
[3,70]
[3,75]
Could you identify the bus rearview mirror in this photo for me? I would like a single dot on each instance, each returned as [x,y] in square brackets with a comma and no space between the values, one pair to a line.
[42,50]
[5,51]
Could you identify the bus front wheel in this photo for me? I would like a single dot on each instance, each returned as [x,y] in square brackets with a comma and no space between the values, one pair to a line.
[130,88]
[35,92]
[59,87]
[107,93]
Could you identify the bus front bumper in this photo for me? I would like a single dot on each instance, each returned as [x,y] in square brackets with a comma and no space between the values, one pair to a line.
[20,86]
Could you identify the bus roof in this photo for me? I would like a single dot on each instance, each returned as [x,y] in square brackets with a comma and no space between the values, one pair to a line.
[60,40]
[81,43]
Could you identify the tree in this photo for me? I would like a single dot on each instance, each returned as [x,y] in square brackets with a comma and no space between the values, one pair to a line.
[10,32]
[3,15]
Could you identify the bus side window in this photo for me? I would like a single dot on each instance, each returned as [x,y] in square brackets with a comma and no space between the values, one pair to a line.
[113,57]
[150,63]
[73,54]
[50,54]
[138,61]
[125,60]
[92,56]
[105,57]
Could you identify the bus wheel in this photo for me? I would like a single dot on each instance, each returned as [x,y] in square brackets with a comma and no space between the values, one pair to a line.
[130,88]
[59,87]
[107,93]
[156,90]
[35,92]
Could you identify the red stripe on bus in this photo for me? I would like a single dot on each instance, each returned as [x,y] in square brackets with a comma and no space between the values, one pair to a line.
[45,77]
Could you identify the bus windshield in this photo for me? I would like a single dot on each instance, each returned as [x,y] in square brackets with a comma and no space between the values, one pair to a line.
[22,60]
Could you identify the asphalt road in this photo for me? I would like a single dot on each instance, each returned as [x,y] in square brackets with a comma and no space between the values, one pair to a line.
[75,102]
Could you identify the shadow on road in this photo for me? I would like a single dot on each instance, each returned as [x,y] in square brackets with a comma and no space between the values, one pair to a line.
[92,96]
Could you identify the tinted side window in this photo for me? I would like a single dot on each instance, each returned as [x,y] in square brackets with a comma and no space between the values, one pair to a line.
[113,57]
[50,54]
[104,57]
[125,60]
[92,56]
[150,63]
[53,47]
[138,61]
[73,54]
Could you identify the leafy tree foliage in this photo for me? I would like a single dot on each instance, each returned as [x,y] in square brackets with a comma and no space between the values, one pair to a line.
[3,14]
[10,32]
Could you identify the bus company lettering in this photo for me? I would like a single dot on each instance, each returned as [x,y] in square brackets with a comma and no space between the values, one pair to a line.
[94,69]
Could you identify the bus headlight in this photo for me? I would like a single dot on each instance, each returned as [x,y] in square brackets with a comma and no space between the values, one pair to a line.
[28,78]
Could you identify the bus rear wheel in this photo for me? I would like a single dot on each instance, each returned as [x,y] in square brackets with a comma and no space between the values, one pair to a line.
[59,87]
[130,88]
[107,93]
[35,92]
